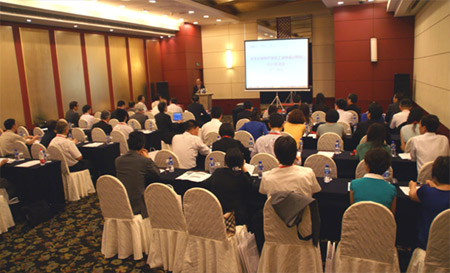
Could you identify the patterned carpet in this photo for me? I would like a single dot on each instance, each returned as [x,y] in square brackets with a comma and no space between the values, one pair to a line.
[70,242]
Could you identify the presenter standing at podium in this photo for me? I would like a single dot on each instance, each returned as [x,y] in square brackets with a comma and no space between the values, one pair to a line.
[198,86]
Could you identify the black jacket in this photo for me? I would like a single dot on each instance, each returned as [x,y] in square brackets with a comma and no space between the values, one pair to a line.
[72,117]
[195,89]
[226,143]
[355,108]
[199,112]
[104,126]
[165,126]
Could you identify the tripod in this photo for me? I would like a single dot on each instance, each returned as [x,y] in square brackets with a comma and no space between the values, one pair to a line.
[277,102]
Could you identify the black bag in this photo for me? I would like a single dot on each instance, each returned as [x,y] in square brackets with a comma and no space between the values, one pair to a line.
[37,212]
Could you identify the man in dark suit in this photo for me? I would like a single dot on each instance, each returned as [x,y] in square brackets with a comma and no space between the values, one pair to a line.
[393,108]
[140,116]
[198,86]
[120,105]
[227,141]
[103,123]
[49,134]
[351,103]
[248,108]
[165,124]
[72,115]
[374,115]
[136,170]
[199,111]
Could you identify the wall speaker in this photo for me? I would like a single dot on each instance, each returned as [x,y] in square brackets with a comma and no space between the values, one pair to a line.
[163,89]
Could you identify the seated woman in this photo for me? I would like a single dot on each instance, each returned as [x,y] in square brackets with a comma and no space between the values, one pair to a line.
[433,198]
[375,139]
[295,124]
[255,127]
[231,185]
[320,104]
[411,129]
[227,141]
[331,125]
[372,186]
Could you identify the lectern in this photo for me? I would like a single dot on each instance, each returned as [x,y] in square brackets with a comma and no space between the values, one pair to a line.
[205,99]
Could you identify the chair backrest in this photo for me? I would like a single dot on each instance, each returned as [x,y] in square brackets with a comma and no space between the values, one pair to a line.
[408,146]
[438,247]
[286,134]
[82,123]
[1,132]
[162,157]
[268,161]
[113,198]
[119,137]
[244,137]
[98,114]
[98,135]
[327,142]
[425,172]
[363,139]
[130,113]
[150,115]
[78,134]
[22,130]
[187,116]
[113,122]
[135,124]
[161,198]
[170,113]
[347,129]
[56,154]
[147,124]
[37,131]
[368,232]
[355,115]
[361,170]
[204,215]
[36,148]
[320,114]
[22,148]
[210,138]
[95,120]
[218,157]
[241,122]
[317,163]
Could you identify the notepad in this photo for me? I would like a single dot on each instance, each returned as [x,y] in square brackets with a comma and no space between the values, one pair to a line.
[405,189]
[94,144]
[250,168]
[194,176]
[28,164]
[328,154]
[405,156]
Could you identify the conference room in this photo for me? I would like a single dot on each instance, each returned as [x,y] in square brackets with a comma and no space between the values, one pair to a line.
[224,135]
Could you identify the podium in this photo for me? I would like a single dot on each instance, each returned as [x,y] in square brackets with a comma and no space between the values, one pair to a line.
[206,100]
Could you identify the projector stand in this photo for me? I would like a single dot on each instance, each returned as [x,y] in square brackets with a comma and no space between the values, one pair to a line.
[289,99]
[277,102]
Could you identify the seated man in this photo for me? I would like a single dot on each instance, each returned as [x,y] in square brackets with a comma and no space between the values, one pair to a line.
[227,141]
[120,105]
[87,115]
[173,106]
[374,114]
[265,143]
[131,107]
[122,126]
[214,124]
[344,116]
[331,125]
[136,170]
[351,103]
[72,115]
[428,145]
[140,116]
[401,117]
[198,110]
[103,123]
[255,126]
[394,108]
[157,101]
[248,109]
[10,136]
[187,145]
[49,134]
[155,109]
[165,124]
[141,101]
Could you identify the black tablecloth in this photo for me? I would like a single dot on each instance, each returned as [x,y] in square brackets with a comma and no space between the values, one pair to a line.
[153,140]
[102,157]
[349,143]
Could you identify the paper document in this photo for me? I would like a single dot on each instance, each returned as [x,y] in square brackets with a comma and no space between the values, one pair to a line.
[28,164]
[405,189]
[146,131]
[194,176]
[94,144]
[405,156]
[328,154]
[250,168]
[348,188]
[314,136]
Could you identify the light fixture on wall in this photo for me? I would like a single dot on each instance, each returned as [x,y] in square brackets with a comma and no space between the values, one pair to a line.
[229,59]
[373,50]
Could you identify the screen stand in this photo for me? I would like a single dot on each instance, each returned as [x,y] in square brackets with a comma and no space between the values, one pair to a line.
[277,102]
[289,99]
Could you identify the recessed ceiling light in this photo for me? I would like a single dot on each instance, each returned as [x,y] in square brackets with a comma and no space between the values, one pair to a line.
[218,20]
[164,16]
[265,34]
[29,20]
[369,0]
[111,30]
[145,11]
[75,26]
[161,37]
[152,1]
[169,36]
[195,23]
[122,6]
[340,3]
[271,36]
[205,16]
[191,12]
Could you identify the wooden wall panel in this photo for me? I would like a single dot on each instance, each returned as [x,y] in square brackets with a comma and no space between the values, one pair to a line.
[137,60]
[119,67]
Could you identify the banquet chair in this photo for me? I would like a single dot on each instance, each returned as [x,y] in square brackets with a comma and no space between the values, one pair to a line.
[408,146]
[21,148]
[355,115]
[283,251]
[1,131]
[218,157]
[119,137]
[95,120]
[317,163]
[170,113]
[320,114]
[367,240]
[37,131]
[363,139]
[147,124]
[210,138]
[98,114]
[130,113]
[169,231]
[78,134]
[209,249]
[347,129]
[98,135]
[6,219]
[76,184]
[150,115]
[286,134]
[187,116]
[136,125]
[425,172]
[245,138]
[361,170]
[36,148]
[162,158]
[22,131]
[82,123]
[268,161]
[113,122]
[124,233]
[327,142]
[241,122]
[435,258]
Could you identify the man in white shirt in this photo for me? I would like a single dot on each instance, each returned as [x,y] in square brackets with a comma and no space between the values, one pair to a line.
[264,144]
[401,117]
[187,145]
[87,115]
[428,145]
[122,126]
[156,102]
[155,109]
[141,101]
[344,116]
[173,107]
[215,123]
[10,136]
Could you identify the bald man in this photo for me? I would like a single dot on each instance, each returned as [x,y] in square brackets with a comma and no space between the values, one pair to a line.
[198,86]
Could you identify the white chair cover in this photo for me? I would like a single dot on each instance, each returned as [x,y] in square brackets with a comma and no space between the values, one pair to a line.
[363,139]
[317,163]
[425,172]
[136,125]
[165,146]
[22,130]
[150,115]
[37,131]
[82,123]
[269,161]
[78,134]
[438,247]
[95,120]
[286,134]
[408,146]
[98,135]
[22,148]
[6,219]
[113,122]
[208,248]
[35,148]
[210,138]
[218,157]
[361,170]
[169,229]
[283,251]
[321,115]
[244,137]
[120,138]
[124,234]
[417,261]
[241,122]
[98,114]
[170,113]
[327,142]
[187,116]
[76,184]
[130,113]
[347,129]
[147,124]
[162,157]
[355,115]
[367,240]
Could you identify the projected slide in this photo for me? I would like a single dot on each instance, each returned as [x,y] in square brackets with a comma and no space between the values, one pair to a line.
[272,65]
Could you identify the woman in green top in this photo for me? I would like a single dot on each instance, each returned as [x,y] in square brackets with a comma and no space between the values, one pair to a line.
[375,139]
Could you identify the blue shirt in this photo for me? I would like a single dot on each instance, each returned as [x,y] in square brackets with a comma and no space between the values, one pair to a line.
[255,128]
[370,188]
[433,201]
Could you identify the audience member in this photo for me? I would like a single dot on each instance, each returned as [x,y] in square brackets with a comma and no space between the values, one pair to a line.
[331,125]
[411,128]
[374,116]
[269,111]
[49,134]
[227,141]
[103,123]
[255,127]
[87,115]
[136,170]
[120,105]
[265,143]
[352,99]
[140,116]
[344,116]
[6,184]
[297,99]
[428,145]
[375,139]
[394,108]
[72,115]
[307,113]
[10,136]
[198,110]
[173,107]
[122,126]
[187,145]
[401,117]
[295,125]
[141,101]
[155,109]
[131,106]
[248,109]
[433,198]
[165,124]
[157,101]
[372,187]
[320,104]
[214,124]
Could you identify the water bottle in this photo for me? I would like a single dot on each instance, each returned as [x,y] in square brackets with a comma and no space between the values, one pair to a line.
[41,158]
[21,133]
[387,176]
[16,155]
[310,108]
[211,165]
[317,119]
[250,144]
[260,169]
[337,148]
[300,146]
[40,137]
[170,165]
[132,125]
[306,128]
[393,149]
[45,156]
[327,174]
[354,123]
[218,138]
[69,135]
[150,126]
[108,139]
[70,125]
